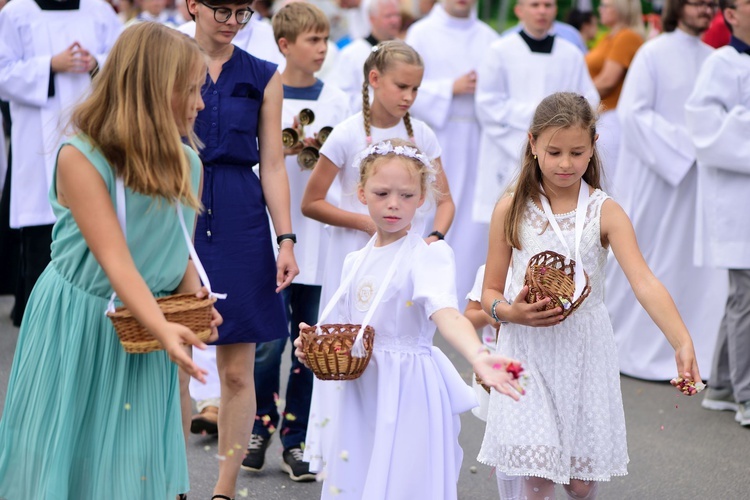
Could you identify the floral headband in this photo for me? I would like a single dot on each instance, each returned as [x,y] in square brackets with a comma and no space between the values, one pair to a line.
[385,148]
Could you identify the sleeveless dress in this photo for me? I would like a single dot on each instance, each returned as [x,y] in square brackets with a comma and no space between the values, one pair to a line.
[84,420]
[233,236]
[393,432]
[570,424]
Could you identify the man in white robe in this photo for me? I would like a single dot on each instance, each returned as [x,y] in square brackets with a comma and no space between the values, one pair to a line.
[718,121]
[657,176]
[451,40]
[560,29]
[515,74]
[48,50]
[347,74]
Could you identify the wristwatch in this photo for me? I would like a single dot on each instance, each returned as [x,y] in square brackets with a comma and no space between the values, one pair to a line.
[286,236]
[437,234]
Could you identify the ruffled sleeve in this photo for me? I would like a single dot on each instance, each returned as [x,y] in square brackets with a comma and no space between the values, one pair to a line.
[434,275]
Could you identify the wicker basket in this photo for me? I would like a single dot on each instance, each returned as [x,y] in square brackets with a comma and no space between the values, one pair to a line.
[547,275]
[185,309]
[329,354]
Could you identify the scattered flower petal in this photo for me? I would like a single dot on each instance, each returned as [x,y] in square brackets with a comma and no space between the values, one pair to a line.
[290,416]
[334,490]
[409,303]
[344,455]
[242,492]
[127,406]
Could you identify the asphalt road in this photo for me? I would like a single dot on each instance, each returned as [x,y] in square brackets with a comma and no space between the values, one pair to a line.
[678,451]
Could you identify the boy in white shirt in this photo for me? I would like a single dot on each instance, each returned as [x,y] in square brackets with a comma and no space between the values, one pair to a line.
[301,32]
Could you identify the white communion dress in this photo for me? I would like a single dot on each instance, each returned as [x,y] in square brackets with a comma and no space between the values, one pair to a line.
[570,424]
[393,432]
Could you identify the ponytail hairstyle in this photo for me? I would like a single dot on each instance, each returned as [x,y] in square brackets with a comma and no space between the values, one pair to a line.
[382,57]
[559,110]
[137,107]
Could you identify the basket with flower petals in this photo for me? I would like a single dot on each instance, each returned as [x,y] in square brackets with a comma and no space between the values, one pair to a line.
[185,309]
[328,350]
[550,274]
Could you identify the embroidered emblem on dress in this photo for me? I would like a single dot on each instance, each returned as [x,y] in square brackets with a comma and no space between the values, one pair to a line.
[366,290]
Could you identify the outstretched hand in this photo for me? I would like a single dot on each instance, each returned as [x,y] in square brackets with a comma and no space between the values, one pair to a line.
[493,370]
[533,314]
[173,337]
[687,368]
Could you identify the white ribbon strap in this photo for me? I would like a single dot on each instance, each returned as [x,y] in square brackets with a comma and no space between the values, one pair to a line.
[194,255]
[581,208]
[122,219]
[358,350]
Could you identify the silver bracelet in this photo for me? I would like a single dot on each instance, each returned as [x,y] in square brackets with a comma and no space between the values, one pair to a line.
[492,310]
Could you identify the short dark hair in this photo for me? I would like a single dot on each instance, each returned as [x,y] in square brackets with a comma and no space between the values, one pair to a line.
[671,14]
[218,3]
[577,18]
[724,5]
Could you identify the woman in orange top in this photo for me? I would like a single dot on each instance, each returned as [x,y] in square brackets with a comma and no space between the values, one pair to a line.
[608,63]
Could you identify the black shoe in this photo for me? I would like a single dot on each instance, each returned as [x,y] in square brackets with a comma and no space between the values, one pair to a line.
[256,453]
[295,467]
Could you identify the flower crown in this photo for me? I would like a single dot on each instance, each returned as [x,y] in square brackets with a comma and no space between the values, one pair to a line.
[385,148]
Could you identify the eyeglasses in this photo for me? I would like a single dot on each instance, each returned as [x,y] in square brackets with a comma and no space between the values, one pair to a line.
[705,5]
[223,14]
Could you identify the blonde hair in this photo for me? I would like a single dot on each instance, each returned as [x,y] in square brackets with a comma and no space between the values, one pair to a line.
[559,110]
[631,14]
[296,18]
[129,114]
[382,57]
[376,157]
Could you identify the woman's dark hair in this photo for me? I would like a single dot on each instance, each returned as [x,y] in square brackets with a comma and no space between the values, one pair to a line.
[219,3]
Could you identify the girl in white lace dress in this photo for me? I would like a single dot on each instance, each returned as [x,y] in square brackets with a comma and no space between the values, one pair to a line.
[569,428]
[393,432]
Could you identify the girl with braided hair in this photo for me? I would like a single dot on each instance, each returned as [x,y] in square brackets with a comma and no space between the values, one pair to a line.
[394,71]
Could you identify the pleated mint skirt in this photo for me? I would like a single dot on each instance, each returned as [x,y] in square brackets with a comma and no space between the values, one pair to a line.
[83,419]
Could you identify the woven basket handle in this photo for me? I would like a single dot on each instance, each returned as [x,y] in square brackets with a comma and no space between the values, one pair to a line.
[122,219]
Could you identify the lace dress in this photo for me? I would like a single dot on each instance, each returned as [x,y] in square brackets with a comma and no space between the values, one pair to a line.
[570,423]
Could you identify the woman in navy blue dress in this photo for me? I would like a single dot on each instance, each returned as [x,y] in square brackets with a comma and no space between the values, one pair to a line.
[240,127]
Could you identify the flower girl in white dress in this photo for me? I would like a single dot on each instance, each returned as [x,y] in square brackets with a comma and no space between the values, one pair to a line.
[570,427]
[394,431]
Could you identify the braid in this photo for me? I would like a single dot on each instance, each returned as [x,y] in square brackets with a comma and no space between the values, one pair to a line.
[366,110]
[409,128]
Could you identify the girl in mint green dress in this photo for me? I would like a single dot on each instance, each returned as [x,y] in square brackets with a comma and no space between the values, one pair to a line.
[83,419]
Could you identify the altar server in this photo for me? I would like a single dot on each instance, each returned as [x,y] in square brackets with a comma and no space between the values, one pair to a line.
[657,179]
[515,74]
[718,120]
[446,103]
[48,51]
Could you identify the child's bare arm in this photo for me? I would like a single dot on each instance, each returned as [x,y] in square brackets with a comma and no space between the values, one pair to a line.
[495,273]
[315,206]
[617,230]
[458,331]
[478,318]
[445,209]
